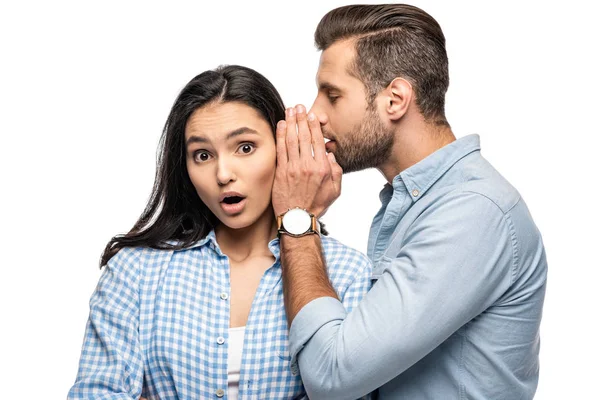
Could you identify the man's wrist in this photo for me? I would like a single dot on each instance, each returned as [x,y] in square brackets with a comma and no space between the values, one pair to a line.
[304,272]
[301,242]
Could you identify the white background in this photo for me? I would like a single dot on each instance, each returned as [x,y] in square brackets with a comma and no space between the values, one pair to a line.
[86,88]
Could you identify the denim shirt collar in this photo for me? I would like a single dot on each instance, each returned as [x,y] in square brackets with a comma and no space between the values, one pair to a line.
[418,178]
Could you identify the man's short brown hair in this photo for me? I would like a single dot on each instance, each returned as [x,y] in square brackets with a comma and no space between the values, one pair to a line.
[393,40]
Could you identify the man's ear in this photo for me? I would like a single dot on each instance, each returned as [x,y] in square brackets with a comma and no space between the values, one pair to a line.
[398,96]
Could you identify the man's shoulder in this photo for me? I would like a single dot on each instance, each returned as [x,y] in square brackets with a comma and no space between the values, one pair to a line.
[504,197]
[476,176]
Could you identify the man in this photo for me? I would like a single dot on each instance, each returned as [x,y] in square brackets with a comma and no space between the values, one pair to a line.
[459,265]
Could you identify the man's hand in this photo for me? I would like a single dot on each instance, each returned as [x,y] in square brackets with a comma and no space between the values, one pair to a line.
[301,179]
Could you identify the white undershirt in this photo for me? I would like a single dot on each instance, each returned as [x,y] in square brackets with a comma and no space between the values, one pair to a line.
[234,360]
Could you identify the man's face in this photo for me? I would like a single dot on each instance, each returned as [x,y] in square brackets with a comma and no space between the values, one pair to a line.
[358,137]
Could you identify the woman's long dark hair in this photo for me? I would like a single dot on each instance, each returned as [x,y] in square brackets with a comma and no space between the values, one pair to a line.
[175,212]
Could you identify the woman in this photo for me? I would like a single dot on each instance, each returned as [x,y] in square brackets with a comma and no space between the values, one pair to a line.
[190,302]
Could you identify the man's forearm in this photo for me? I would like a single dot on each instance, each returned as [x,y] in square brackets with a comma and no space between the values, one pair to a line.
[304,273]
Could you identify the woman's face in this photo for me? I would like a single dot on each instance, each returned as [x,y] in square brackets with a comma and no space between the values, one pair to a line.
[230,157]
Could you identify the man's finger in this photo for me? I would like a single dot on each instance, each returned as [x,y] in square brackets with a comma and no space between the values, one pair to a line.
[291,136]
[304,137]
[282,157]
[336,173]
[318,142]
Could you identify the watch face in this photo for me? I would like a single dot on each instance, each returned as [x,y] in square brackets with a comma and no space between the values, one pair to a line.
[296,221]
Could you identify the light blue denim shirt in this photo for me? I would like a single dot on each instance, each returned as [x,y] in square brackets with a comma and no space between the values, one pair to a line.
[455,311]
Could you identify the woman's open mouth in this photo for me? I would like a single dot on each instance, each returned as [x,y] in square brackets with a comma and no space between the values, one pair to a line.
[233,204]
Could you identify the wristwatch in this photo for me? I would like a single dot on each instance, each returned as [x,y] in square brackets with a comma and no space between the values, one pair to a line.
[297,222]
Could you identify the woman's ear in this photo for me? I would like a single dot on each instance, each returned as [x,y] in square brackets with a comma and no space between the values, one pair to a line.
[398,96]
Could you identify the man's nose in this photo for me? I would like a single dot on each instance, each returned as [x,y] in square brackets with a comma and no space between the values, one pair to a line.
[321,116]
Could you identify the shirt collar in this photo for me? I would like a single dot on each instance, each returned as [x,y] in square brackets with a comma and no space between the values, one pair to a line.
[421,176]
[211,241]
[274,247]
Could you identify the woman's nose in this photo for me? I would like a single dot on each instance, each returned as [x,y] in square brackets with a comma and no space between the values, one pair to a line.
[225,172]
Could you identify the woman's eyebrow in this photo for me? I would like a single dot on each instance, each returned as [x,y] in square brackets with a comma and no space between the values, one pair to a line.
[195,139]
[230,135]
[240,131]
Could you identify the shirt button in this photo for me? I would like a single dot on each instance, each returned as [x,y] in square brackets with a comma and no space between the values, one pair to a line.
[220,393]
[415,193]
[224,296]
[220,340]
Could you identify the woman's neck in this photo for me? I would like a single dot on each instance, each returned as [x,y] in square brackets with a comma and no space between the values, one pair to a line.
[241,244]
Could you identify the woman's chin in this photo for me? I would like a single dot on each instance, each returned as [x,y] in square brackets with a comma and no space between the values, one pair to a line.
[236,223]
[247,218]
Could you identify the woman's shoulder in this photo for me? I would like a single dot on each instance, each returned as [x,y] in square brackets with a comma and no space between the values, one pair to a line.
[341,256]
[333,246]
[139,259]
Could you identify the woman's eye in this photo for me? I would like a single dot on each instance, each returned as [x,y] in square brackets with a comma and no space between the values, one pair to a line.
[201,156]
[246,148]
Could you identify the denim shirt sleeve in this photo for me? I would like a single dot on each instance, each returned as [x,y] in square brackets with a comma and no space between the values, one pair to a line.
[455,261]
[111,365]
[357,289]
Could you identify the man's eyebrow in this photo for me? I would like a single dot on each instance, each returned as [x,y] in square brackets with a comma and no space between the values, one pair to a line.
[230,135]
[328,86]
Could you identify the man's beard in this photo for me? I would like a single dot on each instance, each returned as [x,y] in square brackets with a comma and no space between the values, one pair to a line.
[366,146]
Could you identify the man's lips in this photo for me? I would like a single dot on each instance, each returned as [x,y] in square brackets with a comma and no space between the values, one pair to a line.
[330,145]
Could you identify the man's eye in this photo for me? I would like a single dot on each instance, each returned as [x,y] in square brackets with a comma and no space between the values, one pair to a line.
[246,148]
[201,156]
[332,99]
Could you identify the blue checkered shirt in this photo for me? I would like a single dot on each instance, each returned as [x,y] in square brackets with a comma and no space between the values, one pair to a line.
[159,319]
